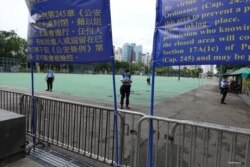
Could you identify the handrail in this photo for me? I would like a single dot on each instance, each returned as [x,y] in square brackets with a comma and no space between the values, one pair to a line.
[88,130]
[208,130]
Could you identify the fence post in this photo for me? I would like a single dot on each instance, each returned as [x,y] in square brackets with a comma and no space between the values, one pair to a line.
[121,154]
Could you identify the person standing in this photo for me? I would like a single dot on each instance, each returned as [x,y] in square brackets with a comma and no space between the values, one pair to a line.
[125,88]
[50,79]
[148,80]
[224,89]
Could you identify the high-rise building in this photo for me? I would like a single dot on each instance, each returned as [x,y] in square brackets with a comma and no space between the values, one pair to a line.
[131,52]
[118,54]
[138,53]
[126,52]
[207,68]
[146,59]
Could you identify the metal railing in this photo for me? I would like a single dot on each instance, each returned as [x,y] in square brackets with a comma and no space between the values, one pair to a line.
[128,133]
[10,101]
[89,130]
[84,129]
[182,143]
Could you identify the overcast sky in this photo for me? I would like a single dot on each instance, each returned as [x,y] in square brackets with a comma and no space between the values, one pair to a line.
[132,20]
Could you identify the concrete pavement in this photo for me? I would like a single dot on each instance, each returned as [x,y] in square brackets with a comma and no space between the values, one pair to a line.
[201,104]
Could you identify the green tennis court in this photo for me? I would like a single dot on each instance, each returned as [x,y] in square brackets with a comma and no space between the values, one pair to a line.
[101,86]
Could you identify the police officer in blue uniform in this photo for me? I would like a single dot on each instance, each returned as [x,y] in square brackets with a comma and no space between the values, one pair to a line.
[224,89]
[125,88]
[50,78]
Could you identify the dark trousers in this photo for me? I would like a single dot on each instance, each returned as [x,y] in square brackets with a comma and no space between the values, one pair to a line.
[224,94]
[148,81]
[50,83]
[125,92]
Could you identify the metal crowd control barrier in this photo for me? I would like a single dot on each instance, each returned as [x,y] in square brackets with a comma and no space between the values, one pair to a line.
[89,131]
[10,101]
[182,143]
[128,123]
[81,128]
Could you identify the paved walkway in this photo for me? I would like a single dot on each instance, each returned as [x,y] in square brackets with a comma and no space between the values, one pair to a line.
[24,162]
[201,104]
[245,98]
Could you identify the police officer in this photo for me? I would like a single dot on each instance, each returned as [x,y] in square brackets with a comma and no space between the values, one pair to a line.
[125,88]
[224,89]
[50,78]
[148,80]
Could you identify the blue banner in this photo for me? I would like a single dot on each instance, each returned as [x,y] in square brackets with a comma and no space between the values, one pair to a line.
[69,31]
[192,32]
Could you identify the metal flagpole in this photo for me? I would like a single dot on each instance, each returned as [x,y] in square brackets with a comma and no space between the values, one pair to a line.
[150,141]
[151,127]
[33,125]
[115,116]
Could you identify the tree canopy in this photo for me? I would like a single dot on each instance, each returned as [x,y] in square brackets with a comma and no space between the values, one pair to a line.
[225,68]
[12,46]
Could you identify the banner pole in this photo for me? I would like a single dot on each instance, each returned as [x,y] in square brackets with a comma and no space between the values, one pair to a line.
[115,116]
[152,90]
[150,138]
[33,126]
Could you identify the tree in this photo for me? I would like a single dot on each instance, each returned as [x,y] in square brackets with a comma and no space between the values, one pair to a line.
[13,46]
[229,67]
[124,65]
